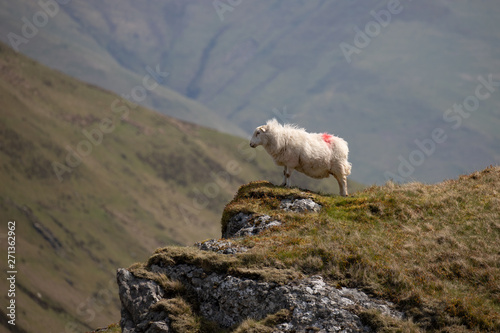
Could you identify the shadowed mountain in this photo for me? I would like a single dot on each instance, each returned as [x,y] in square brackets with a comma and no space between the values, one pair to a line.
[381,74]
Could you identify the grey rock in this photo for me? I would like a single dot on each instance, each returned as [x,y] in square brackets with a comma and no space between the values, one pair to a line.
[229,300]
[300,205]
[243,224]
[236,223]
[360,298]
[137,296]
[158,327]
[220,246]
[257,225]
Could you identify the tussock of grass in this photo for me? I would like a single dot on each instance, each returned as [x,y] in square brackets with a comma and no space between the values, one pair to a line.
[244,265]
[265,325]
[182,319]
[209,261]
[171,287]
[384,324]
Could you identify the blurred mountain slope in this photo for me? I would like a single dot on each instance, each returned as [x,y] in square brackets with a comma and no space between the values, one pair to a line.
[255,60]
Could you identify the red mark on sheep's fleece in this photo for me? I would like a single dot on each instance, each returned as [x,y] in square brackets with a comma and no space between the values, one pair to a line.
[328,138]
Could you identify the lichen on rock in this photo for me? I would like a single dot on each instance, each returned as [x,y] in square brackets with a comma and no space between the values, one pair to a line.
[220,246]
[137,297]
[229,300]
[300,205]
[247,224]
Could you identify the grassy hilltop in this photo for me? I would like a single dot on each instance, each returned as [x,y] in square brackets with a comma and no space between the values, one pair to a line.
[433,250]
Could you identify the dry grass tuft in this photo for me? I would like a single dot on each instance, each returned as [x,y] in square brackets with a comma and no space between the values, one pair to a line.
[384,324]
[171,287]
[182,319]
[265,325]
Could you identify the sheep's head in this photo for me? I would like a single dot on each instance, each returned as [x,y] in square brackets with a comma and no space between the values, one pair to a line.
[259,137]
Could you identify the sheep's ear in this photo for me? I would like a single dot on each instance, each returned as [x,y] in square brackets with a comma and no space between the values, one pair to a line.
[263,129]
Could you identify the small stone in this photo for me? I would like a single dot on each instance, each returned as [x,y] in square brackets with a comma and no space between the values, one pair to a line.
[300,205]
[220,246]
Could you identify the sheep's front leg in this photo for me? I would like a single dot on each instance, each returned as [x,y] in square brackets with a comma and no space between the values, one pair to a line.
[287,172]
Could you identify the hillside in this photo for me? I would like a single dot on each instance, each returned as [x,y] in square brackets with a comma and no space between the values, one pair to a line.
[94,182]
[407,258]
[62,43]
[253,60]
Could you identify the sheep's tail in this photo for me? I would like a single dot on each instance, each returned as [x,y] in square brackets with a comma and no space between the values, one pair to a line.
[347,168]
[342,147]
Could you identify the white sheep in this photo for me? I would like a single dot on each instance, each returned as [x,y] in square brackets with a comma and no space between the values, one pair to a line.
[317,155]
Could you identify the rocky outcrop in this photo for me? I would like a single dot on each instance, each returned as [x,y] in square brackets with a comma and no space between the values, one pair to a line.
[228,300]
[227,294]
[248,224]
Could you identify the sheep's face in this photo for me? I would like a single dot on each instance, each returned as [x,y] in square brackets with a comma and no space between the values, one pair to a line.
[259,137]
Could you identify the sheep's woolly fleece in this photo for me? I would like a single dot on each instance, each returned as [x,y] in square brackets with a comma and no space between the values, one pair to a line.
[317,155]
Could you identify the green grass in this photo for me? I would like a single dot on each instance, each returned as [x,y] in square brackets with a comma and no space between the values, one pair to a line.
[423,246]
[430,249]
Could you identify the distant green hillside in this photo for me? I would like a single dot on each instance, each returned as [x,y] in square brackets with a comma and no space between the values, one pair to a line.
[94,182]
[430,249]
[62,44]
[251,60]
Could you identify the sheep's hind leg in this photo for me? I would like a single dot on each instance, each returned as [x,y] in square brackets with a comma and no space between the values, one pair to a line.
[342,180]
